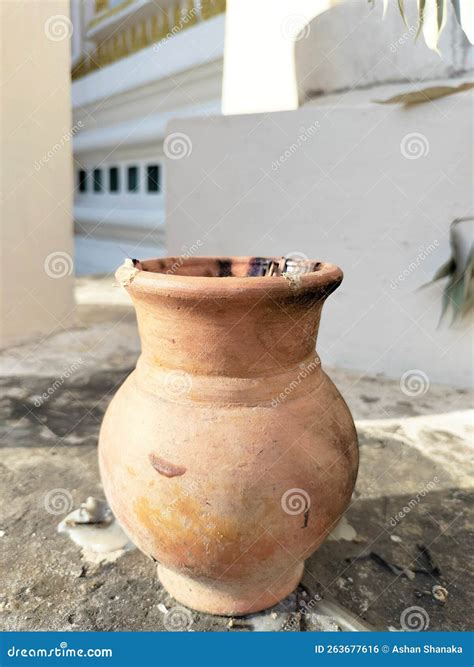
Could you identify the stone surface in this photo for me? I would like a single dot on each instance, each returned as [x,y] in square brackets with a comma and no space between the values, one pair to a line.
[49,466]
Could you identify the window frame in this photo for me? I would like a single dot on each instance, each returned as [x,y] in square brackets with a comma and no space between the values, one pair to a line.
[156,181]
[117,171]
[130,168]
[97,183]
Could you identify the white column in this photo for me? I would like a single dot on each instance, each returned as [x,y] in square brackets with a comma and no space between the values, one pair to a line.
[36,253]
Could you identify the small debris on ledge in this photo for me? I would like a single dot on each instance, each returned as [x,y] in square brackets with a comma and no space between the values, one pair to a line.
[439,593]
[94,528]
[343,531]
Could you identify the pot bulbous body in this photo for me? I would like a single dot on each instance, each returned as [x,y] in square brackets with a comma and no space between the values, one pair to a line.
[228,454]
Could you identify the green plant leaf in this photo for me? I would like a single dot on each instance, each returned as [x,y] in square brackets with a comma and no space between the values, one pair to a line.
[445,270]
[468,277]
[421,16]
[434,20]
[457,297]
[457,9]
[445,302]
[401,7]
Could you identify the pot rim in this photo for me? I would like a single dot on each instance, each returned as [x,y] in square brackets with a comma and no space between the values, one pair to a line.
[137,279]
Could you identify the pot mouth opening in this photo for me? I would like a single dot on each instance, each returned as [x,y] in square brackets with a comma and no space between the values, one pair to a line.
[229,277]
[230,267]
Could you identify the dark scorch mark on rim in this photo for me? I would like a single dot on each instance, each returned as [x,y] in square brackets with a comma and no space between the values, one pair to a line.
[224,268]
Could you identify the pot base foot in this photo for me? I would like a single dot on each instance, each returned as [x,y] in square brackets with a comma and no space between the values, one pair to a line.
[229,598]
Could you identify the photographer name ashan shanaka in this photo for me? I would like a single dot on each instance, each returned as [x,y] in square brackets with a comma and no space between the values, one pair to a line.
[426,648]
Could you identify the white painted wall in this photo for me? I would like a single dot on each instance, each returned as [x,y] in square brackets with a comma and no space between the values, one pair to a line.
[278,53]
[354,45]
[333,181]
[259,60]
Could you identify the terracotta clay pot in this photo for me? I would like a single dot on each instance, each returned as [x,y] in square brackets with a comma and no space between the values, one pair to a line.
[228,454]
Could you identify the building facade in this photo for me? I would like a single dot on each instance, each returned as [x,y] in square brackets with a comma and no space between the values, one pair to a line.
[135,65]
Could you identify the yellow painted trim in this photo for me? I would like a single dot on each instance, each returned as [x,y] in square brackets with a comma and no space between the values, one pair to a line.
[109,12]
[143,33]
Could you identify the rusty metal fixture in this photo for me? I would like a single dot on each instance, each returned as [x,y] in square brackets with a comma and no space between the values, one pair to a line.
[228,455]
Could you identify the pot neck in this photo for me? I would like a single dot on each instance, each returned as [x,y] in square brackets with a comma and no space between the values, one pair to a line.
[226,337]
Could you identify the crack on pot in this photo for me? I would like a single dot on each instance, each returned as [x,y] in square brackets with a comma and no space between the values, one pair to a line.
[306,517]
[165,467]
